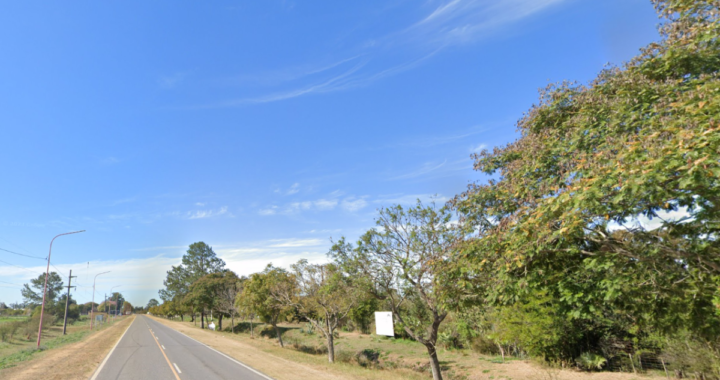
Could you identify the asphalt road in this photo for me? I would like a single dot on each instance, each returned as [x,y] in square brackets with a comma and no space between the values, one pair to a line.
[151,350]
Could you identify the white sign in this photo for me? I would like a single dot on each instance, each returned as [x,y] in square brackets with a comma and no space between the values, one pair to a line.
[384,323]
[211,326]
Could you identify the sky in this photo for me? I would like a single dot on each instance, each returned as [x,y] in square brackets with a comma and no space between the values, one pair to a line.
[263,128]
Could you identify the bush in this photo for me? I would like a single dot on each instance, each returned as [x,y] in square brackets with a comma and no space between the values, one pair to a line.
[687,355]
[368,357]
[591,362]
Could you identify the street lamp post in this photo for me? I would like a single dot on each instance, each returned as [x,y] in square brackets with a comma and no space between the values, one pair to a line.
[47,274]
[92,304]
[116,300]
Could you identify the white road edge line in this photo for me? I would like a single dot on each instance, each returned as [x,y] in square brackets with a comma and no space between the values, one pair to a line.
[176,367]
[231,359]
[163,347]
[97,371]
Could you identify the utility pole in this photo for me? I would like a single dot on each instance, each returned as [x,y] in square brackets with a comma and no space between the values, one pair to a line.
[47,274]
[67,301]
[106,308]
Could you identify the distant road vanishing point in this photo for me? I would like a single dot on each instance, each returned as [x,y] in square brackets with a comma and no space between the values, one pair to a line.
[150,350]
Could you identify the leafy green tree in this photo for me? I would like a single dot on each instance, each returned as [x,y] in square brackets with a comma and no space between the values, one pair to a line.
[409,261]
[215,291]
[35,297]
[198,261]
[257,296]
[321,293]
[127,307]
[608,203]
[152,303]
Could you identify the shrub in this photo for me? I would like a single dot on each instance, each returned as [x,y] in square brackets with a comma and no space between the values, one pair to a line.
[589,361]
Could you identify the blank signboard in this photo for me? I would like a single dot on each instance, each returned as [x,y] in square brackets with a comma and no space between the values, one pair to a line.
[384,323]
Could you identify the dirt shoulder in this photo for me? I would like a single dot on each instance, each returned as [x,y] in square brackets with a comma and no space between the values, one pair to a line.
[276,362]
[73,361]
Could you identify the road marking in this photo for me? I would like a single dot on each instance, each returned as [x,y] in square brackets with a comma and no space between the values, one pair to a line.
[163,347]
[228,357]
[97,371]
[166,358]
[176,367]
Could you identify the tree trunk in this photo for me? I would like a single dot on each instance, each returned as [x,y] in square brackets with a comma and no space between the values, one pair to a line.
[182,318]
[434,362]
[277,331]
[330,341]
[220,322]
[252,332]
[202,319]
[232,322]
[331,348]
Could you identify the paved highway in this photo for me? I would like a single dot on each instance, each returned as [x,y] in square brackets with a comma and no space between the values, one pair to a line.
[151,350]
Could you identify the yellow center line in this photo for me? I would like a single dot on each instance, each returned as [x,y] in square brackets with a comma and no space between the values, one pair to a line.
[177,377]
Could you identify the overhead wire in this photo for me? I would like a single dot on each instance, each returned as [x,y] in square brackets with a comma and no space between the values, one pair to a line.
[16,266]
[22,254]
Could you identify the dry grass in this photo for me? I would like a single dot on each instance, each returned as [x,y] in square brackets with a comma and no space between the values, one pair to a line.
[65,362]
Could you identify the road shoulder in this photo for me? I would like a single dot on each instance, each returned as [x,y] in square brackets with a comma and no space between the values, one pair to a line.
[73,361]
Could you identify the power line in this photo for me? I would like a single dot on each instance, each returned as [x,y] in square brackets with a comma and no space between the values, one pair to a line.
[11,283]
[22,254]
[25,269]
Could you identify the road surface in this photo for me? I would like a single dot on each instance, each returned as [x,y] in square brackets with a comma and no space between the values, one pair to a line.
[151,350]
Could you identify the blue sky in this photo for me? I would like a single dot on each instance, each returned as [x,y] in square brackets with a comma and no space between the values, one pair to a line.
[262,128]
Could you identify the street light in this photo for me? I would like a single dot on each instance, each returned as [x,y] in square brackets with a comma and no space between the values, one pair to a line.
[92,304]
[47,274]
[116,303]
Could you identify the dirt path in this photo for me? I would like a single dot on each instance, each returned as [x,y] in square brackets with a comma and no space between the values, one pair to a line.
[73,361]
[271,365]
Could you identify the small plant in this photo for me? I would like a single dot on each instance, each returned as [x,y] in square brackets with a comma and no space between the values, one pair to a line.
[590,361]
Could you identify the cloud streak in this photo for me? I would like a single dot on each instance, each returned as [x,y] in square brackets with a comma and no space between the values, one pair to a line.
[452,23]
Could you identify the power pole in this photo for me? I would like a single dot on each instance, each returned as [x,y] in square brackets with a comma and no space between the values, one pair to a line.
[107,312]
[67,301]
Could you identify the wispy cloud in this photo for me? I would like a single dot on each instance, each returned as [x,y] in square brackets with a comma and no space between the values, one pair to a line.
[124,200]
[325,86]
[425,169]
[463,21]
[410,199]
[478,148]
[272,210]
[354,204]
[286,243]
[451,23]
[285,75]
[203,214]
[293,189]
[436,169]
[350,203]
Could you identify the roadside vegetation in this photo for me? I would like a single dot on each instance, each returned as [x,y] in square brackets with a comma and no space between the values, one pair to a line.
[18,336]
[593,246]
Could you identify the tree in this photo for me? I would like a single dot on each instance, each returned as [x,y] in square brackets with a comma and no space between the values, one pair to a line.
[152,303]
[127,307]
[257,295]
[409,262]
[215,291]
[227,293]
[320,293]
[608,202]
[199,261]
[35,297]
